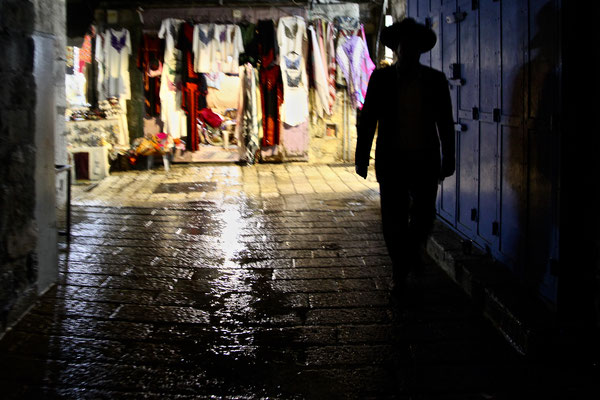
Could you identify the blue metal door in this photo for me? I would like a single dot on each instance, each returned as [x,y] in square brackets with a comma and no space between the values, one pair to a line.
[502,59]
[540,107]
[447,40]
[489,78]
[466,81]
[513,179]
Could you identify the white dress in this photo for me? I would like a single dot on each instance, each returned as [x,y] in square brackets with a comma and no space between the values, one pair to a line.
[117,50]
[173,117]
[232,48]
[291,33]
[205,47]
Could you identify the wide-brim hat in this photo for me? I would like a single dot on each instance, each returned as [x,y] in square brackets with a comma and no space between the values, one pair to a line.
[408,28]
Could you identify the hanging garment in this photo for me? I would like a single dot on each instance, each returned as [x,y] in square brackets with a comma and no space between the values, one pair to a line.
[271,89]
[350,55]
[331,64]
[291,33]
[321,27]
[248,120]
[173,117]
[250,54]
[85,52]
[150,59]
[368,66]
[204,47]
[194,88]
[266,43]
[99,55]
[320,76]
[233,46]
[115,59]
[295,140]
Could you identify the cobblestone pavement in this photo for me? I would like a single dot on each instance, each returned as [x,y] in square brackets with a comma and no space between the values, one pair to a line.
[243,283]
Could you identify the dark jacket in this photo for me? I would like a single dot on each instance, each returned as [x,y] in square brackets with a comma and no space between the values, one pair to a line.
[414,113]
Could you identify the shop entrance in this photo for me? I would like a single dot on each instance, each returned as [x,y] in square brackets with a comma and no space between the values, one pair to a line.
[160,86]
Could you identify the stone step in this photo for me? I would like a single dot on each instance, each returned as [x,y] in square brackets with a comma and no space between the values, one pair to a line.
[522,318]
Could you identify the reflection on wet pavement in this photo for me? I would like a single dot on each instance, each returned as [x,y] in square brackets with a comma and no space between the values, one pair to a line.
[243,295]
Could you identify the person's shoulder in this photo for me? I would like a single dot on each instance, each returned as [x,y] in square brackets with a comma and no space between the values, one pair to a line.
[432,72]
[383,72]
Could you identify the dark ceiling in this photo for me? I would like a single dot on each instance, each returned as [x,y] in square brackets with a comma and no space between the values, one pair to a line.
[80,13]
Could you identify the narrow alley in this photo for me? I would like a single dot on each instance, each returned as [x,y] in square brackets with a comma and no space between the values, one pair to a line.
[211,283]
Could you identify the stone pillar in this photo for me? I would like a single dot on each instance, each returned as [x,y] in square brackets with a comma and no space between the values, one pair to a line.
[18,231]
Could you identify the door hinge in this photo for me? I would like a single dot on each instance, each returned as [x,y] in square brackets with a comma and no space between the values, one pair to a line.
[474,4]
[456,17]
[495,228]
[496,115]
[475,113]
[474,214]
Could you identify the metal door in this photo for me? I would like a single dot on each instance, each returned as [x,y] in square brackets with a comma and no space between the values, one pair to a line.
[489,78]
[512,135]
[447,41]
[540,106]
[466,81]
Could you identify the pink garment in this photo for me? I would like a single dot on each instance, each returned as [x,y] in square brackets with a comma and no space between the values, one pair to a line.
[295,140]
[368,66]
[331,62]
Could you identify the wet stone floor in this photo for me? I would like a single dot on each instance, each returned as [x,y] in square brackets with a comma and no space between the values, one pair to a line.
[272,283]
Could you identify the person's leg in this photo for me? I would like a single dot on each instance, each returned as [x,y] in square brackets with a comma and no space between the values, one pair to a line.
[394,221]
[423,192]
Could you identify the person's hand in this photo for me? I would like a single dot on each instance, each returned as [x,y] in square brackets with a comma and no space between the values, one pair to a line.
[448,167]
[362,170]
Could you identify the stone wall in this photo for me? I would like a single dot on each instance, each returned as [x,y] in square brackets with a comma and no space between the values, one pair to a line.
[51,19]
[18,231]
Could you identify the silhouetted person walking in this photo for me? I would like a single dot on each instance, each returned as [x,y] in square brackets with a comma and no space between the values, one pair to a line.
[415,142]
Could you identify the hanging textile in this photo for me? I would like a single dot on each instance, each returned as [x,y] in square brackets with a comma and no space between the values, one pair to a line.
[368,66]
[350,55]
[271,84]
[114,59]
[291,33]
[205,45]
[193,85]
[173,117]
[85,52]
[271,89]
[232,47]
[320,76]
[150,62]
[266,42]
[247,129]
[250,54]
[330,33]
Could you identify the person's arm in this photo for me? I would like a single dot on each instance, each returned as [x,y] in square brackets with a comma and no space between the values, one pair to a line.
[366,126]
[445,125]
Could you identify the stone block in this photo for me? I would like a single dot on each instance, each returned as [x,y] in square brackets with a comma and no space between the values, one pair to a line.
[21,240]
[16,16]
[22,92]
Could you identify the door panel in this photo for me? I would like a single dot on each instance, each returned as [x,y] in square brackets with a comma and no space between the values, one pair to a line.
[488,178]
[468,57]
[514,29]
[467,176]
[512,205]
[489,59]
[448,42]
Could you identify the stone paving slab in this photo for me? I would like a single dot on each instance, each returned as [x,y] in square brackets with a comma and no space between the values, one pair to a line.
[252,291]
